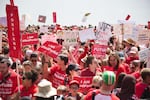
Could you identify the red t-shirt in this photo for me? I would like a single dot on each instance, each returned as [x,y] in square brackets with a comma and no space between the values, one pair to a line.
[30,92]
[139,89]
[9,85]
[130,59]
[137,75]
[87,72]
[120,69]
[57,76]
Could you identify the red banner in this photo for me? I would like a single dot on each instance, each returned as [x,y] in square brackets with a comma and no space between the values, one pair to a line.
[99,51]
[50,48]
[13,31]
[29,39]
[54,17]
[85,83]
[128,17]
[148,24]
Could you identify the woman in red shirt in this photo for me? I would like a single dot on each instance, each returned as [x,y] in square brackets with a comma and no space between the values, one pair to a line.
[114,64]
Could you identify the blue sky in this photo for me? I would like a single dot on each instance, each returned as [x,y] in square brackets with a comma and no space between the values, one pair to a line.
[70,12]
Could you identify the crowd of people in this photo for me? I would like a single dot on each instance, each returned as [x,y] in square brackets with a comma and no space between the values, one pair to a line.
[120,75]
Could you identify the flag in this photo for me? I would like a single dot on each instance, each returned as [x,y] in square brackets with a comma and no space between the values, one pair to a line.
[128,17]
[148,24]
[13,31]
[84,19]
[54,17]
[42,19]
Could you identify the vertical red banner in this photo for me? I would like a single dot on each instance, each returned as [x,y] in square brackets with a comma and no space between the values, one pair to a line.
[54,17]
[128,17]
[148,24]
[13,31]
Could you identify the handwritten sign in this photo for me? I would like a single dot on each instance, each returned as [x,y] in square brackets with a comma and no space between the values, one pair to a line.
[103,34]
[87,34]
[143,54]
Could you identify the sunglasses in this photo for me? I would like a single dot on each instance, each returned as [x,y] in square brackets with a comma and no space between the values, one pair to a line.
[23,78]
[96,87]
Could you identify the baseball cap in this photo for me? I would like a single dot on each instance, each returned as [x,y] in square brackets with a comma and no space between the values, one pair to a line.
[74,82]
[72,67]
[109,77]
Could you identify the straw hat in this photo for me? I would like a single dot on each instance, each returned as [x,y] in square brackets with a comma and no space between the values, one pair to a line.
[130,41]
[45,89]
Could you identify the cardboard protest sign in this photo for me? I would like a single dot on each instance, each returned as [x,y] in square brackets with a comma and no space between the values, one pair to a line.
[143,36]
[127,28]
[50,48]
[85,83]
[69,37]
[22,22]
[13,31]
[43,29]
[30,39]
[3,21]
[1,41]
[99,51]
[42,19]
[87,34]
[148,59]
[103,34]
[143,54]
[50,37]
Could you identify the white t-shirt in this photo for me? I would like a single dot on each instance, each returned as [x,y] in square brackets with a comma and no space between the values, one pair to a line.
[102,97]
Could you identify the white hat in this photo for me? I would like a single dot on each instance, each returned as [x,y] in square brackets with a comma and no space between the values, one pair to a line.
[134,50]
[45,89]
[29,52]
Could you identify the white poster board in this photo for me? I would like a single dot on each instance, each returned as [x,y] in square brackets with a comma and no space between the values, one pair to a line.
[143,54]
[86,34]
[103,33]
[1,41]
[50,37]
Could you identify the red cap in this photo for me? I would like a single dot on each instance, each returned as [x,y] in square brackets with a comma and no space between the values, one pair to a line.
[74,82]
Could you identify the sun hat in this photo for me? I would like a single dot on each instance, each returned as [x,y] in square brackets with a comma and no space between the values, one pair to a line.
[109,77]
[45,89]
[130,41]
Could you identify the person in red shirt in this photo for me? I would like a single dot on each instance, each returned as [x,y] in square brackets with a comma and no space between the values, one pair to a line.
[114,64]
[28,88]
[140,86]
[8,79]
[92,67]
[133,55]
[57,73]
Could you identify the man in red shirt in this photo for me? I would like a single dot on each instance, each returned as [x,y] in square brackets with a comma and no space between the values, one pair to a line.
[140,86]
[92,67]
[8,80]
[57,73]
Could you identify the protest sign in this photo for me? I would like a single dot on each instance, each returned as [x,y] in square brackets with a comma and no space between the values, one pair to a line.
[43,29]
[13,31]
[87,34]
[69,37]
[54,17]
[42,19]
[99,51]
[143,36]
[85,83]
[143,54]
[3,21]
[103,34]
[1,41]
[50,48]
[50,37]
[148,59]
[29,39]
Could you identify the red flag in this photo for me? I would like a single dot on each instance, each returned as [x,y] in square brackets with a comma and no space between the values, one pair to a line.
[13,31]
[42,19]
[54,17]
[127,18]
[29,39]
[148,24]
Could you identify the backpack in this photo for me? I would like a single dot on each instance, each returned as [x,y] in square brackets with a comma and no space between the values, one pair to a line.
[146,93]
